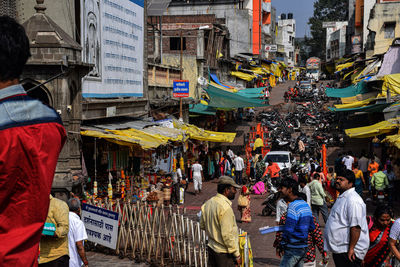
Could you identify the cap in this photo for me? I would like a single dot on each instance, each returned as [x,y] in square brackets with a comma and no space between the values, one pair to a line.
[228,180]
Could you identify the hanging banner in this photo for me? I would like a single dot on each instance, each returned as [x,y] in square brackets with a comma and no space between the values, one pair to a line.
[101,225]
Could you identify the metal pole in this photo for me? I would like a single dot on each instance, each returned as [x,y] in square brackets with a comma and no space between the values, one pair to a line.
[180,77]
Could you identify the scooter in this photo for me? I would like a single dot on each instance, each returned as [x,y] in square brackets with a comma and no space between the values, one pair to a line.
[270,201]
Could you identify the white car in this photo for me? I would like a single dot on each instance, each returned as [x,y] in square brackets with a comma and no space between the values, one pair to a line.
[284,159]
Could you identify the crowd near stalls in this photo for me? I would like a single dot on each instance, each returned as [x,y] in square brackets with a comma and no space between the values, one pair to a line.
[140,160]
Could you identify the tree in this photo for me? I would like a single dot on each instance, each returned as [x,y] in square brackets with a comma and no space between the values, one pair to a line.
[324,10]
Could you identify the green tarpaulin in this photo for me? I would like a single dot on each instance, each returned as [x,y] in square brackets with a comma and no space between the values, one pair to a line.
[251,92]
[352,90]
[202,109]
[369,108]
[223,99]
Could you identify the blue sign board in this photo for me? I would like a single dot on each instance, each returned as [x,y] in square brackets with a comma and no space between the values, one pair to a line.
[181,88]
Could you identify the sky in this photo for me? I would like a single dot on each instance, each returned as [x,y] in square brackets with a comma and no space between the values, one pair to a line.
[301,9]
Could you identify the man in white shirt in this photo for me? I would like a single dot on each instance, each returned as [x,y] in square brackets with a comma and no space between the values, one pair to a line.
[348,161]
[346,231]
[230,153]
[197,174]
[303,188]
[239,166]
[176,180]
[76,235]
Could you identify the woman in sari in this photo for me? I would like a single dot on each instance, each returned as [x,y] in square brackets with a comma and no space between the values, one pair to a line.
[245,210]
[360,182]
[379,225]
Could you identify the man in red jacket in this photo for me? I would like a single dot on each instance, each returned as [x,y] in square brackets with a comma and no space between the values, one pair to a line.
[31,137]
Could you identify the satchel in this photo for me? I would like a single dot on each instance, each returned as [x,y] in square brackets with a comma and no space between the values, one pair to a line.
[243,201]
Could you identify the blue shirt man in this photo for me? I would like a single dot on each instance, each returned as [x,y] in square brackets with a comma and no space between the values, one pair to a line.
[299,222]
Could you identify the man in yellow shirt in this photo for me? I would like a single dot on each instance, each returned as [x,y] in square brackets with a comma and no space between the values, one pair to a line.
[258,144]
[219,222]
[54,249]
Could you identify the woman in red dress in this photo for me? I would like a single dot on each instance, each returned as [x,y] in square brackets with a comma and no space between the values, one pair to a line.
[379,227]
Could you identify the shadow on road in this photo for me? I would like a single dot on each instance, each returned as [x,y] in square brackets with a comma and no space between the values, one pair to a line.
[269,261]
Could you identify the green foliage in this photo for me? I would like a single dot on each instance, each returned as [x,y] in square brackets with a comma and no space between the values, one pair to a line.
[324,10]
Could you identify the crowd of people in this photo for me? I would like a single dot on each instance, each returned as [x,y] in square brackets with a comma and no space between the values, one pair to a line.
[353,238]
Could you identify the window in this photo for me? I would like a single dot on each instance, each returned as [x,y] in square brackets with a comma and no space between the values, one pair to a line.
[389,29]
[175,43]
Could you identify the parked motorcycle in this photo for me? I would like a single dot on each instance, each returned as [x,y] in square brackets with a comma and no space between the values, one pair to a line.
[270,201]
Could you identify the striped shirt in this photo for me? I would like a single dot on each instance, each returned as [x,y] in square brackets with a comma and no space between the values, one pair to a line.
[299,222]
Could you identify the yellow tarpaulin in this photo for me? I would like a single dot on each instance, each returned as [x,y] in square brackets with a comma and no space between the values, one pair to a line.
[232,90]
[373,130]
[356,104]
[124,140]
[197,133]
[259,70]
[272,81]
[391,81]
[243,76]
[394,140]
[169,134]
[344,66]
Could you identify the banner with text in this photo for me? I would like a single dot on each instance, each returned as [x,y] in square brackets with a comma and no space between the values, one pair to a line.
[112,41]
[101,225]
[181,88]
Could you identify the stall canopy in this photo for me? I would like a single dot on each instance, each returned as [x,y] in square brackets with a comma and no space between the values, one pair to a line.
[243,76]
[202,109]
[391,62]
[391,82]
[367,105]
[223,99]
[373,130]
[125,140]
[155,136]
[214,77]
[197,133]
[394,140]
[356,104]
[344,66]
[352,90]
[252,92]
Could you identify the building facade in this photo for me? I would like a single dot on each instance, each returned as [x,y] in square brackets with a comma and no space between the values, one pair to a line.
[286,38]
[244,19]
[205,44]
[383,26]
[335,39]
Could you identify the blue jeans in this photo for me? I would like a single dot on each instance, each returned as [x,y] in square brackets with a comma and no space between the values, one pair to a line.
[293,257]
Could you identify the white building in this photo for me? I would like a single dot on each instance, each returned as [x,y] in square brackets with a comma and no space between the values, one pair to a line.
[335,39]
[286,36]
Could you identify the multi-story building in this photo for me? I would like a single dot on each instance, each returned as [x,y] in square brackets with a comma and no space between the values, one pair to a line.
[383,26]
[246,20]
[335,39]
[195,43]
[286,38]
[358,37]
